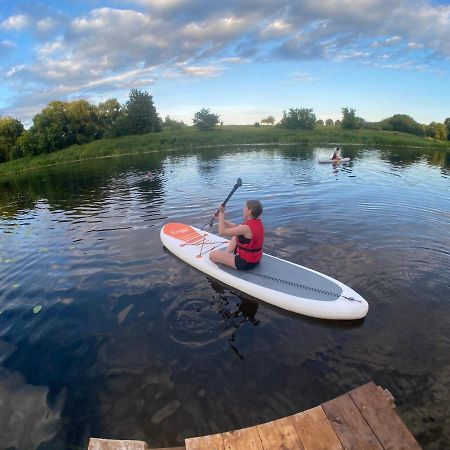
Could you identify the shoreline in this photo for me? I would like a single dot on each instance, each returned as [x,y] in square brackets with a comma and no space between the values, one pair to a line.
[173,141]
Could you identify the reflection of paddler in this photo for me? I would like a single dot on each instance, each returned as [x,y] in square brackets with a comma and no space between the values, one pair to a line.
[247,310]
[248,307]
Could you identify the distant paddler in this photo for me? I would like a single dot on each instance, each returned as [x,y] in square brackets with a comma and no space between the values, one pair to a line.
[336,155]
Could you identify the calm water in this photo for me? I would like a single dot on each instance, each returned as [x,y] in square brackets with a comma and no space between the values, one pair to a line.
[131,343]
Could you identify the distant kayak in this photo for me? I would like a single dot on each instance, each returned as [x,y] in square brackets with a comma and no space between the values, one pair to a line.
[331,161]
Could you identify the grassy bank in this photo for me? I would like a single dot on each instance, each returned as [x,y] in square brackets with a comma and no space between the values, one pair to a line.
[227,135]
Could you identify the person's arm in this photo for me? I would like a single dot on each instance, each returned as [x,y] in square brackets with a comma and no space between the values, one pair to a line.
[229,224]
[233,230]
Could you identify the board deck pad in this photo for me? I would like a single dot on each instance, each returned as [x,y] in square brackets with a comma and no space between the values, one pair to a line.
[184,233]
[287,273]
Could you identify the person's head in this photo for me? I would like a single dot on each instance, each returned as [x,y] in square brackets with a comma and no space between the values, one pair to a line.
[254,208]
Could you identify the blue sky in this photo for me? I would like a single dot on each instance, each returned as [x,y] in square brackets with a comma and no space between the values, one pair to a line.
[244,60]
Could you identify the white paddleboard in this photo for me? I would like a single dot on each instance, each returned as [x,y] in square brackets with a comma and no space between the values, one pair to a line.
[330,161]
[275,281]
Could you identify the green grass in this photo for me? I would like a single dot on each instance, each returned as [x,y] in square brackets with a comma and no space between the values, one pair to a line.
[191,138]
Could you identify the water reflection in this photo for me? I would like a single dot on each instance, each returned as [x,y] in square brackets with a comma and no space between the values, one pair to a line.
[132,343]
[235,314]
[27,420]
[85,186]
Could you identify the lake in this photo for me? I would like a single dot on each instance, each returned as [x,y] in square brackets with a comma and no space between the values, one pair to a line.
[104,333]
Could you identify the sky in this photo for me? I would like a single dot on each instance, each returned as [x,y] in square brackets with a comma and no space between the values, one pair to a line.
[244,60]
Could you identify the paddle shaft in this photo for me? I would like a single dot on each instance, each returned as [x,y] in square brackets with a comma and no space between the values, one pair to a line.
[235,187]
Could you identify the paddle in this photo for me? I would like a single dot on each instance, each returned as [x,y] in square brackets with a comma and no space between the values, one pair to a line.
[238,184]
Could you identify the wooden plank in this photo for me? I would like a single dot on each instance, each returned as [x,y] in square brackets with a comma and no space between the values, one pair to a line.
[279,435]
[349,425]
[111,444]
[384,421]
[212,442]
[315,430]
[244,439]
[170,448]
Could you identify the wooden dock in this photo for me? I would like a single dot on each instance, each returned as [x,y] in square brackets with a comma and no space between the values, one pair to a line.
[362,419]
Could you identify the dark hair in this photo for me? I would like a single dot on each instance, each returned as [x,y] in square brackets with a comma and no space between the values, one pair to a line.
[255,208]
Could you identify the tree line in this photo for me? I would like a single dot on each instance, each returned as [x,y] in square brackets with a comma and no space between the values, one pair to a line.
[304,118]
[62,124]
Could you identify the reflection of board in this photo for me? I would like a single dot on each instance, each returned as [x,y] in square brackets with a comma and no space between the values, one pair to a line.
[274,280]
[331,161]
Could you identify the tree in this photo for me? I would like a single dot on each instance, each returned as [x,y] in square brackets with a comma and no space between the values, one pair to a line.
[373,125]
[172,124]
[298,118]
[10,130]
[108,113]
[61,124]
[205,120]
[270,120]
[447,125]
[84,124]
[329,122]
[349,119]
[51,128]
[27,144]
[337,123]
[404,124]
[140,116]
[441,132]
[437,131]
[320,123]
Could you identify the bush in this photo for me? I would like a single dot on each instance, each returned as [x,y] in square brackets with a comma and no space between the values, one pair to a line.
[298,119]
[350,121]
[17,153]
[403,123]
[205,120]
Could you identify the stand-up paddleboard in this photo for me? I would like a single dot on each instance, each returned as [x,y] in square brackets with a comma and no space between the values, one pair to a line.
[330,161]
[276,281]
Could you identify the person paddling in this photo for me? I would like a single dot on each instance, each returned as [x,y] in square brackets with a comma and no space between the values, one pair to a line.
[245,249]
[337,154]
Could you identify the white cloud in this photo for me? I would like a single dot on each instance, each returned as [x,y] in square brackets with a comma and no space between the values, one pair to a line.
[276,29]
[222,28]
[415,45]
[234,60]
[46,25]
[302,77]
[7,44]
[17,22]
[50,48]
[387,42]
[161,3]
[206,71]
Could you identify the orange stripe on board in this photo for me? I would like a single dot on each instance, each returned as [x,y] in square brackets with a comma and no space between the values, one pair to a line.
[182,232]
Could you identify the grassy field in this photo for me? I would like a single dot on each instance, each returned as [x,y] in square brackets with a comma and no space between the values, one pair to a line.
[224,136]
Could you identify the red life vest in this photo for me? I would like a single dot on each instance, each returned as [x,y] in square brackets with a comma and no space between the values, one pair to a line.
[252,252]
